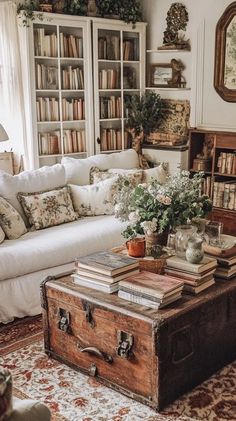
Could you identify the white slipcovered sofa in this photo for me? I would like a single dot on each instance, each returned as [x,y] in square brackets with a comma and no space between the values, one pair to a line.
[27,260]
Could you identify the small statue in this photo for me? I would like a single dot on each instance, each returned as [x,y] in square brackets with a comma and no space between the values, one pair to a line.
[207,148]
[137,140]
[177,78]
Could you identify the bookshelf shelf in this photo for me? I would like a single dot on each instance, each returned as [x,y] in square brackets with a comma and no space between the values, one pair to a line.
[168,51]
[220,179]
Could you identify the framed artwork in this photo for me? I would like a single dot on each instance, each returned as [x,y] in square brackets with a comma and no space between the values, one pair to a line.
[160,75]
[225,56]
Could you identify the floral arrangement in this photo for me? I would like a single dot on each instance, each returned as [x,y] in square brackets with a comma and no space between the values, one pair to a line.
[153,208]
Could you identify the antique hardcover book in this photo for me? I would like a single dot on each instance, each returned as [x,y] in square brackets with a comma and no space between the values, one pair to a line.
[188,277]
[226,273]
[227,262]
[206,264]
[151,285]
[95,284]
[107,263]
[147,301]
[106,278]
[198,288]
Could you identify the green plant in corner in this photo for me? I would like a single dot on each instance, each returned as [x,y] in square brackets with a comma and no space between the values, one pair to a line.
[127,10]
[29,11]
[76,7]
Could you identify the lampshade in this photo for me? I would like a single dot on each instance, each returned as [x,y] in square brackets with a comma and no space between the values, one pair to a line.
[3,134]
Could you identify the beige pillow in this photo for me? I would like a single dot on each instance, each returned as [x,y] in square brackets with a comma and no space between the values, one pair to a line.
[2,235]
[46,209]
[157,173]
[94,199]
[134,175]
[11,221]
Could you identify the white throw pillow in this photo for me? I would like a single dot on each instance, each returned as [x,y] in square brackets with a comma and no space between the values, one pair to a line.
[2,235]
[45,178]
[78,170]
[157,173]
[94,199]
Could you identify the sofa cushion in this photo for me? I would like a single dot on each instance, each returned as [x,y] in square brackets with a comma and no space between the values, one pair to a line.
[2,235]
[55,246]
[134,175]
[77,170]
[94,199]
[46,209]
[11,221]
[157,173]
[44,178]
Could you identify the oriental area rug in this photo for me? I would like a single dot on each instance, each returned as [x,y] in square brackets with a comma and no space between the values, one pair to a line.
[73,396]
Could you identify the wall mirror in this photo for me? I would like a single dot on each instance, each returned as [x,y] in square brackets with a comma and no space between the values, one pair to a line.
[225,55]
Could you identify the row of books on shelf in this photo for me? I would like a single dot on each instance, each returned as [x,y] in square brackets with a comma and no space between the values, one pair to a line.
[205,187]
[47,109]
[109,79]
[224,194]
[72,78]
[71,46]
[46,76]
[111,272]
[111,139]
[109,48]
[49,143]
[226,163]
[45,44]
[110,107]
[73,109]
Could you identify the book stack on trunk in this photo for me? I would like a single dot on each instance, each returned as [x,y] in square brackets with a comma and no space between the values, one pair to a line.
[150,289]
[104,270]
[225,255]
[196,277]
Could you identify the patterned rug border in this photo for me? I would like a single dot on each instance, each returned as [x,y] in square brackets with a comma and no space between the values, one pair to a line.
[21,343]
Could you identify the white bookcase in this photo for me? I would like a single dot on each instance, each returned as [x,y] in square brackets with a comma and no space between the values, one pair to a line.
[82,70]
[60,87]
[119,72]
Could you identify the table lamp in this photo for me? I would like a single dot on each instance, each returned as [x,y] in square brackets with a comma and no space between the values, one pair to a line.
[3,134]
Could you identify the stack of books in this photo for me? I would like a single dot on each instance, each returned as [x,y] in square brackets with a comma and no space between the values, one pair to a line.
[226,267]
[150,289]
[196,277]
[104,270]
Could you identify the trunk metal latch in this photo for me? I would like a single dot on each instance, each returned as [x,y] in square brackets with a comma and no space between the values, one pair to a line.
[125,344]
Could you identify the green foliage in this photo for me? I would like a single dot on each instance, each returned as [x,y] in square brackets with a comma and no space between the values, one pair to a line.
[144,112]
[27,11]
[150,208]
[76,7]
[127,10]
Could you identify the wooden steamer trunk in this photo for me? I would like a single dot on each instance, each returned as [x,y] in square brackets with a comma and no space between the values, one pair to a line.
[151,356]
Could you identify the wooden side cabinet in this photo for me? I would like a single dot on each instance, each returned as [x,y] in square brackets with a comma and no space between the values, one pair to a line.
[214,152]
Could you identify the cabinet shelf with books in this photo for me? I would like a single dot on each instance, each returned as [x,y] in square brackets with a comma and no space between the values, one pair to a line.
[214,152]
[119,70]
[60,87]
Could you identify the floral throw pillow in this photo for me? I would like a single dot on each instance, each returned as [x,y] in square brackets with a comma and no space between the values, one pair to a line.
[46,209]
[11,221]
[134,176]
[94,199]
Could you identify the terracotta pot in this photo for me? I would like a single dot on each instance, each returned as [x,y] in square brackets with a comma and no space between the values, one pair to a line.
[136,247]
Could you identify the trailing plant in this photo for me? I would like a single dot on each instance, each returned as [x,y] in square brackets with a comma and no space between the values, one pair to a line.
[126,10]
[76,7]
[27,11]
[144,112]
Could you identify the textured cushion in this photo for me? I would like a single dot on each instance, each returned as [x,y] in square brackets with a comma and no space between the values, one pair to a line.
[134,176]
[11,221]
[2,235]
[46,209]
[94,199]
[45,178]
[157,173]
[77,170]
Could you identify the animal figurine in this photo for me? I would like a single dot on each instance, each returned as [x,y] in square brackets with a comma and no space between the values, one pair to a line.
[177,68]
[5,393]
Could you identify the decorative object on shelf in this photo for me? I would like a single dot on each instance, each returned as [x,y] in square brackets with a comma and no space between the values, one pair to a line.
[76,7]
[167,75]
[92,8]
[225,58]
[194,252]
[127,10]
[183,234]
[144,115]
[45,6]
[174,126]
[154,209]
[136,247]
[58,6]
[202,162]
[174,37]
[214,232]
[29,11]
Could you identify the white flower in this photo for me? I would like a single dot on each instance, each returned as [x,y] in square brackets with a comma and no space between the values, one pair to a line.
[134,217]
[149,226]
[118,207]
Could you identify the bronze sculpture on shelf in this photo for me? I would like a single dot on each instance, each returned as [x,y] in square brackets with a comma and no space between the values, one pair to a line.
[177,18]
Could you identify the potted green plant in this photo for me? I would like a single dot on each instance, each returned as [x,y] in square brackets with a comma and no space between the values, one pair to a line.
[76,7]
[126,10]
[144,114]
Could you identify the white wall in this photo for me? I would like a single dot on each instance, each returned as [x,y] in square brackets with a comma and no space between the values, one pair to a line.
[208,109]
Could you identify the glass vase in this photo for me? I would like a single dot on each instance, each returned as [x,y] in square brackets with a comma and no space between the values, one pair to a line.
[183,233]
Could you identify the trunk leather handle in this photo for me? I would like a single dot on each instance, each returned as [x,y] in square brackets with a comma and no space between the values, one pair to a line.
[95,351]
